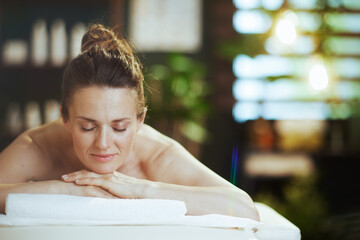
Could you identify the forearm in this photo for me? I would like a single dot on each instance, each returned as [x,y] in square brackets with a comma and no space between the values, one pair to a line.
[224,199]
[206,200]
[31,187]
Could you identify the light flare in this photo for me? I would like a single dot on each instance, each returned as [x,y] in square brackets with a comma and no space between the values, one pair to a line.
[233,177]
[318,77]
[234,165]
[285,29]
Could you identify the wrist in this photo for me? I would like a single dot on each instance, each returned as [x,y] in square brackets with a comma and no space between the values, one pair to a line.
[56,187]
[146,189]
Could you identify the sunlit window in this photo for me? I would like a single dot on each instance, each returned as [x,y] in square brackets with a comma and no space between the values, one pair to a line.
[347,67]
[311,67]
[272,4]
[252,90]
[350,4]
[247,4]
[343,22]
[244,111]
[262,66]
[309,22]
[251,4]
[304,4]
[295,110]
[252,21]
[285,89]
[302,45]
[347,90]
[285,27]
[318,76]
[343,45]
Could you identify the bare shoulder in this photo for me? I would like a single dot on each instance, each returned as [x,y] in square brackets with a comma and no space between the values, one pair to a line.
[49,137]
[152,139]
[168,161]
[29,156]
[150,144]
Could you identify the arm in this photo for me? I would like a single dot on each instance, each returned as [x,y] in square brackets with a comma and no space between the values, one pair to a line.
[224,200]
[177,175]
[50,187]
[22,163]
[201,189]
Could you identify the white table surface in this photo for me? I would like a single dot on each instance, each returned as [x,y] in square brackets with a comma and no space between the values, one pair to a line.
[275,227]
[121,232]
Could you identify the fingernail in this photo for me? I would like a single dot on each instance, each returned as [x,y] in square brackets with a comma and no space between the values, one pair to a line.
[77,181]
[65,177]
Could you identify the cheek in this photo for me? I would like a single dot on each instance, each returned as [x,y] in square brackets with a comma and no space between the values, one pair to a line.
[125,141]
[81,142]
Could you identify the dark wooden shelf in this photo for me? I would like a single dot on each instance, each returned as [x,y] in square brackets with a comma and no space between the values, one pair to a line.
[21,83]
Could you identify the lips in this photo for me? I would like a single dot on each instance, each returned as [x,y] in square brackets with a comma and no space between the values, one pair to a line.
[103,157]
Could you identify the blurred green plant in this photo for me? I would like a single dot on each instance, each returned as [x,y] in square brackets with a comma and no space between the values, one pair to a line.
[251,45]
[178,93]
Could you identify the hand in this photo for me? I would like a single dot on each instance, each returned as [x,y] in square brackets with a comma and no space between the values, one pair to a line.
[118,184]
[61,187]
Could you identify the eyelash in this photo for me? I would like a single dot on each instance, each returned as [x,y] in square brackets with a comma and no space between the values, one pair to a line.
[119,130]
[90,129]
[87,129]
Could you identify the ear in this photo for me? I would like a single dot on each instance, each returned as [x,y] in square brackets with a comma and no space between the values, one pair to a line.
[141,119]
[65,120]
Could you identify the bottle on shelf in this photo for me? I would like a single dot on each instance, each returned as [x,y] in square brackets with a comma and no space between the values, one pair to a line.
[15,52]
[51,110]
[14,119]
[32,115]
[39,43]
[77,32]
[58,53]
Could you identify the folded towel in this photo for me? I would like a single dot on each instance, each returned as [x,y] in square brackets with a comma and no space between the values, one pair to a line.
[57,206]
[45,209]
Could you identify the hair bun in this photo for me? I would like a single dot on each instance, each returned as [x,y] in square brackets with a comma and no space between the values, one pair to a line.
[105,38]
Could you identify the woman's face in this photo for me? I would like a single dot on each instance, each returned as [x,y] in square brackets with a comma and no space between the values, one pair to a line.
[103,123]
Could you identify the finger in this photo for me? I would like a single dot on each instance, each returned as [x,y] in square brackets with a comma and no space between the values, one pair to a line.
[98,192]
[119,177]
[100,183]
[116,173]
[91,181]
[105,194]
[71,177]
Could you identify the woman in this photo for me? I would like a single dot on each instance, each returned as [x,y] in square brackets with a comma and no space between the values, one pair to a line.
[101,146]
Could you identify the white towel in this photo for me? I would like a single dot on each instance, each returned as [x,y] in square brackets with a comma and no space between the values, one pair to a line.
[57,206]
[45,209]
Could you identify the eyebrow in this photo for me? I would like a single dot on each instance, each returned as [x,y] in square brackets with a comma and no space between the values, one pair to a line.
[92,120]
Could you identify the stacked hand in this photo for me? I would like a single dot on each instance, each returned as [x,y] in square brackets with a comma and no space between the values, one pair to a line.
[112,185]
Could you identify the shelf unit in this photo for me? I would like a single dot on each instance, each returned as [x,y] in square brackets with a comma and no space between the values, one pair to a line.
[26,82]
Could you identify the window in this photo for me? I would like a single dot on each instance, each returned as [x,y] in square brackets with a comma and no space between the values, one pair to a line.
[311,68]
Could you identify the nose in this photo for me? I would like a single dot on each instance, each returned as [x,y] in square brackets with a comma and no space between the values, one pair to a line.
[102,138]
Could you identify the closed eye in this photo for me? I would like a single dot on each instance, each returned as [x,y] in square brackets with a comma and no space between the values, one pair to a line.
[120,130]
[87,129]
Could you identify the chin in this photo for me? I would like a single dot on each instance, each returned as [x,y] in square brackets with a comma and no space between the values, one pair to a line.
[102,169]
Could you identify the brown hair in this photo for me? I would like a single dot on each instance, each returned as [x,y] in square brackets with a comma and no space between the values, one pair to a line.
[106,60]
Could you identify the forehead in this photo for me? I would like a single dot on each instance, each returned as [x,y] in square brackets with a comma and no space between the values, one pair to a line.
[103,102]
